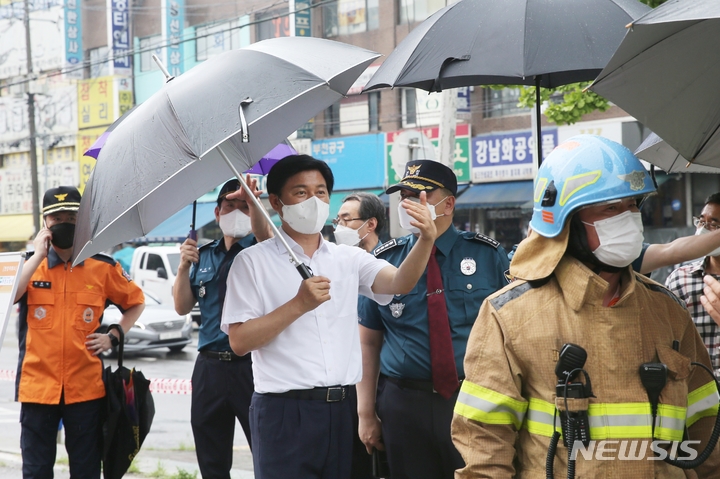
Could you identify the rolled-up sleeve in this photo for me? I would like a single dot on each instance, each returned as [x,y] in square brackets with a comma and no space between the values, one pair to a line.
[243,300]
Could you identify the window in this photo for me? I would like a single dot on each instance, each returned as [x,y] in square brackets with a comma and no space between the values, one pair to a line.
[148,46]
[374,110]
[332,120]
[411,11]
[346,17]
[99,64]
[504,102]
[409,107]
[213,40]
[154,262]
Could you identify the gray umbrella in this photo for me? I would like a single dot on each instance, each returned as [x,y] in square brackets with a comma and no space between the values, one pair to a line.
[656,151]
[170,150]
[545,43]
[666,74]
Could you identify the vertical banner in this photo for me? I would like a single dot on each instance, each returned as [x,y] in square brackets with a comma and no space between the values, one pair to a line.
[173,23]
[119,37]
[73,39]
[300,21]
[10,268]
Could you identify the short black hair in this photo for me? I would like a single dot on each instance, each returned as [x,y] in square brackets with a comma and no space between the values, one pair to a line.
[714,199]
[291,166]
[371,206]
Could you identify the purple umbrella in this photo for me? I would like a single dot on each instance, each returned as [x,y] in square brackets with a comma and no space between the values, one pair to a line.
[263,166]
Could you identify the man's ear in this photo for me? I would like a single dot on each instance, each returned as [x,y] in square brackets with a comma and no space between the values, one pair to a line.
[217,214]
[275,202]
[372,225]
[449,205]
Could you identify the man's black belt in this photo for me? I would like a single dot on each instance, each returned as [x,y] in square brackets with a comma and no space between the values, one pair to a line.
[329,394]
[223,355]
[416,384]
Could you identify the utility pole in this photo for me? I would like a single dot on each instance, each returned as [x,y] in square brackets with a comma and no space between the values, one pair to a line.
[31,123]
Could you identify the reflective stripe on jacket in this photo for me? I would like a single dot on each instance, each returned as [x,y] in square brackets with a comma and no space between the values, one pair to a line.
[505,413]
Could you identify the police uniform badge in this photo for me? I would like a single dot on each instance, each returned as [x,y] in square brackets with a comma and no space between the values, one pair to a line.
[201,291]
[468,266]
[396,309]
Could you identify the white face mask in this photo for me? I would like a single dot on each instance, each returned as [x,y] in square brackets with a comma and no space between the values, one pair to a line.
[704,231]
[235,224]
[404,217]
[349,236]
[307,217]
[621,239]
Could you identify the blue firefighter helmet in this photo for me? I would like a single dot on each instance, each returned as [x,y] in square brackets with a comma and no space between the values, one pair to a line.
[584,170]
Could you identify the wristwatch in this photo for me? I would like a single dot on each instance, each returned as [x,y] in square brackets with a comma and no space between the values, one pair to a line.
[114,340]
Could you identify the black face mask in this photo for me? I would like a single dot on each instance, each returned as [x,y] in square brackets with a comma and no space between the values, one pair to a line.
[63,235]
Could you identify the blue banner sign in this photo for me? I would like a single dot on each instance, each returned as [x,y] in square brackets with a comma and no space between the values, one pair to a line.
[73,34]
[356,161]
[120,36]
[173,25]
[508,156]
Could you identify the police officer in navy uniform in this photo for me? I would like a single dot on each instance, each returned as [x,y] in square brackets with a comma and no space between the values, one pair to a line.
[410,384]
[222,381]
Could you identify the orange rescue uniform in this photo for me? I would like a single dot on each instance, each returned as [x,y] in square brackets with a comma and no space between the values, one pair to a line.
[62,305]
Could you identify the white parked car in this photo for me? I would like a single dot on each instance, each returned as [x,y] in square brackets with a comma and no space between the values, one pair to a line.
[159,326]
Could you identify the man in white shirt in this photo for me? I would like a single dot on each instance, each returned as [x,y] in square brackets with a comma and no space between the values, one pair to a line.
[303,334]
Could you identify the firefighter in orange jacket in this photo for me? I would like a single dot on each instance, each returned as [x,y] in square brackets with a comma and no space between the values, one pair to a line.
[575,286]
[59,372]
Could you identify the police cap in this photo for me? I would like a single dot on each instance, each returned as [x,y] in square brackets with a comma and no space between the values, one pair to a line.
[62,198]
[229,187]
[426,175]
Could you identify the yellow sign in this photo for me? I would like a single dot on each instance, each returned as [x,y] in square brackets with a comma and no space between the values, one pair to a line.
[98,99]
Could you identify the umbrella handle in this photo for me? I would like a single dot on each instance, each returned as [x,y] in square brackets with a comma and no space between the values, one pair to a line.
[300,266]
[121,344]
[192,235]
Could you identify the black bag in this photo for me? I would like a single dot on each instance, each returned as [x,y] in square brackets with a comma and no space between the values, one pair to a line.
[130,411]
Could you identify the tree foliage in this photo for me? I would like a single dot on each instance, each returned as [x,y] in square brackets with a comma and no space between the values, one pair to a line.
[567,104]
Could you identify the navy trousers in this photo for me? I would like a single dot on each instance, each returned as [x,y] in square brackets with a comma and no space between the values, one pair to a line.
[83,438]
[301,438]
[416,432]
[221,392]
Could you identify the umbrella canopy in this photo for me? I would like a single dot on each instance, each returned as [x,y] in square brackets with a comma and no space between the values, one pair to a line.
[95,148]
[666,74]
[512,42]
[656,151]
[169,150]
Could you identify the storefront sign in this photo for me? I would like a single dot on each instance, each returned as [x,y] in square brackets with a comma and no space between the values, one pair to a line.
[173,22]
[508,156]
[119,33]
[356,161]
[73,38]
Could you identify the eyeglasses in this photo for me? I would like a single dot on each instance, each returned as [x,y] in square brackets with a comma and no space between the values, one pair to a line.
[700,223]
[345,221]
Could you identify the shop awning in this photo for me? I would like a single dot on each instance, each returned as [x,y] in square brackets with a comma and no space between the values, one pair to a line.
[16,227]
[506,194]
[176,227]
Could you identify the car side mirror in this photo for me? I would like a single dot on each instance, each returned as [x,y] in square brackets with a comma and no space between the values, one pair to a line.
[161,273]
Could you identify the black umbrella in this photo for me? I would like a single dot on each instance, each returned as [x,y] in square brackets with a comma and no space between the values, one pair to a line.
[656,151]
[130,411]
[666,74]
[545,43]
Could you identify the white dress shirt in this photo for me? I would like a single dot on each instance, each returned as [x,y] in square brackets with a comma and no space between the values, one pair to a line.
[320,348]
